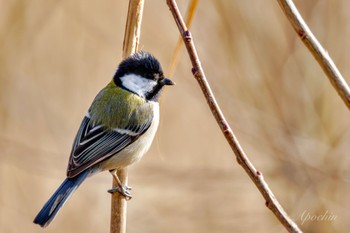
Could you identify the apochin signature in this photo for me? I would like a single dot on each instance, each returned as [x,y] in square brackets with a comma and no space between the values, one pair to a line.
[306,216]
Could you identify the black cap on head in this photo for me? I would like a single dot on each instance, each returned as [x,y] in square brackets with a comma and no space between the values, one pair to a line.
[141,63]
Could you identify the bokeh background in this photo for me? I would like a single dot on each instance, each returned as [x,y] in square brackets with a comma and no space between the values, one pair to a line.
[55,55]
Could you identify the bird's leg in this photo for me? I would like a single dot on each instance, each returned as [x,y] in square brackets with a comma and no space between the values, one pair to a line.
[123,189]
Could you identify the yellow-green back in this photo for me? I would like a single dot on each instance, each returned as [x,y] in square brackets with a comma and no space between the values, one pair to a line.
[115,107]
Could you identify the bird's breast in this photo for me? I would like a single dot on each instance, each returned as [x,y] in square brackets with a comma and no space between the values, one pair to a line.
[134,152]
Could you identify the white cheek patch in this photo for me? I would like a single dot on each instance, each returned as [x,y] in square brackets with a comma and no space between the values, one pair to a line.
[138,84]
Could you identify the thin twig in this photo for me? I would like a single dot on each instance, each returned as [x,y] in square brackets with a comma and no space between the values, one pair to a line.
[320,54]
[130,45]
[188,19]
[242,159]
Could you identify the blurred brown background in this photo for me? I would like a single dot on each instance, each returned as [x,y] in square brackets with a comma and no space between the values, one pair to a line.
[55,55]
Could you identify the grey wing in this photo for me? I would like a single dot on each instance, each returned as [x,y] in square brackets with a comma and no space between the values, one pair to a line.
[93,144]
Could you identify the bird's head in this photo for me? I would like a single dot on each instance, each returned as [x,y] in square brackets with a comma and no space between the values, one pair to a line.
[142,74]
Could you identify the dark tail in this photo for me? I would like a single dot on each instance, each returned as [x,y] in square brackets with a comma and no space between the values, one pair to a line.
[54,204]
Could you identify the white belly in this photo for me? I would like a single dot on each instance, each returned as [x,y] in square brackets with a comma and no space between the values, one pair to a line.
[137,149]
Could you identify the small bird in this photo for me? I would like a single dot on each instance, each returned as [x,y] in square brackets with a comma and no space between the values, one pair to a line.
[117,130]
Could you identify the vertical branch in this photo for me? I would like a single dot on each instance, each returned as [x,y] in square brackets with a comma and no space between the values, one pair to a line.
[118,205]
[241,157]
[130,45]
[319,53]
[133,27]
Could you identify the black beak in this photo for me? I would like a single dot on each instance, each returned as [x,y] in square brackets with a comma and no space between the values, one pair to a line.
[167,82]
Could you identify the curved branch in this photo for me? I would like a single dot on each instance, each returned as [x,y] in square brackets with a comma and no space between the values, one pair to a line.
[319,53]
[242,158]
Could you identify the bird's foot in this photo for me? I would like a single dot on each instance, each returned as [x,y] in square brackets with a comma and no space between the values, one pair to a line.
[123,190]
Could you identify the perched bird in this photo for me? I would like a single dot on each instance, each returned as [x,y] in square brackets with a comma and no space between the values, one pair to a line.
[117,130]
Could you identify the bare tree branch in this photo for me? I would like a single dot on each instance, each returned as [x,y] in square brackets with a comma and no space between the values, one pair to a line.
[319,53]
[242,159]
[189,17]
